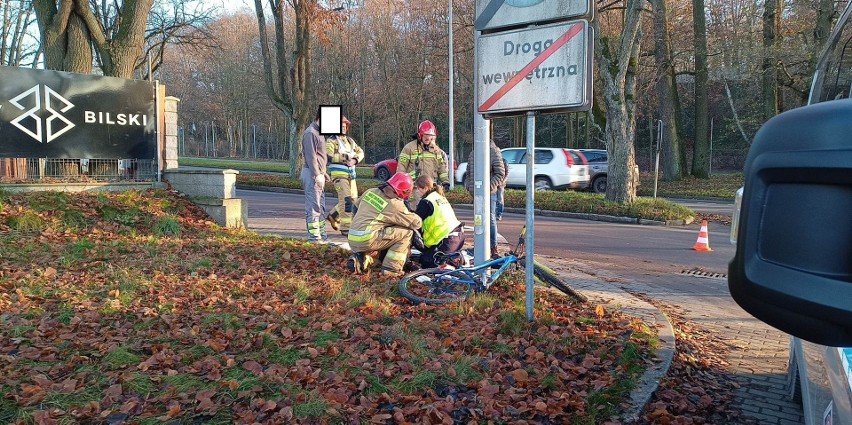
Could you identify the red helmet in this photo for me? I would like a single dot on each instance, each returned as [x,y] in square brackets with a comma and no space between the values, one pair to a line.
[344,120]
[427,128]
[401,184]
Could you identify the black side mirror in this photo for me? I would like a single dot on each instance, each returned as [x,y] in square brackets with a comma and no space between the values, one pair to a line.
[793,266]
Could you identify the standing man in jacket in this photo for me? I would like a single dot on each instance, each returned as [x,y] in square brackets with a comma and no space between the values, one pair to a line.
[383,225]
[423,157]
[313,180]
[498,174]
[343,155]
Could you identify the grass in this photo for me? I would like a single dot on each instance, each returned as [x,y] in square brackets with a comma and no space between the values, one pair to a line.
[301,333]
[722,186]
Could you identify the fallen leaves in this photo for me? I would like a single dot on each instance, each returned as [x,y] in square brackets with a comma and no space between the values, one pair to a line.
[242,328]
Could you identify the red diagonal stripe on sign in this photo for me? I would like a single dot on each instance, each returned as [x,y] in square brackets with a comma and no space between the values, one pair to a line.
[574,30]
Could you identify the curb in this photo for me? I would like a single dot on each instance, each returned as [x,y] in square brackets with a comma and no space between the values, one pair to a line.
[598,290]
[546,213]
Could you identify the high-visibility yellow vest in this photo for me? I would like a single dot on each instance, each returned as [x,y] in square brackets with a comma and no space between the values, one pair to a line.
[437,226]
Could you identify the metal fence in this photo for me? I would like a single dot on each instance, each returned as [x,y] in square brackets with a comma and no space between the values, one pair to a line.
[23,170]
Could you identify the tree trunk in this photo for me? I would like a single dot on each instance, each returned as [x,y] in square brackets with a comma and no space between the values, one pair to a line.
[670,154]
[618,59]
[769,80]
[288,87]
[70,30]
[701,153]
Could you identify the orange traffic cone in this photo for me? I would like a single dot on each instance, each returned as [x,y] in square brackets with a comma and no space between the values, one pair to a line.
[703,243]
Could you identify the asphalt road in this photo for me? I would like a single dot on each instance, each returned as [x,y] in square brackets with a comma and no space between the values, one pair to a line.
[653,247]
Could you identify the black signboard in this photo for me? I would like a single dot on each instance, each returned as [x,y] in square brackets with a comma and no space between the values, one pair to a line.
[52,114]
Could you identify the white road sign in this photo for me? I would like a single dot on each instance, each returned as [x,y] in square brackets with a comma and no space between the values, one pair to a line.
[492,14]
[540,68]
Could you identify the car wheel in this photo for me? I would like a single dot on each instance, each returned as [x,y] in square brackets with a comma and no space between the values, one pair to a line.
[599,185]
[543,183]
[383,174]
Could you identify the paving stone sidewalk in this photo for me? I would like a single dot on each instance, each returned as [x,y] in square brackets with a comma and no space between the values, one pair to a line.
[758,356]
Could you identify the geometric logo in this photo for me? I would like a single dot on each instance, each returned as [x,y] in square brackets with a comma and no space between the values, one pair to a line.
[51,98]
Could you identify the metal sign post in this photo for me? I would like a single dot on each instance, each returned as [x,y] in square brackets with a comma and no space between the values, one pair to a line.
[481,184]
[451,116]
[525,63]
[530,211]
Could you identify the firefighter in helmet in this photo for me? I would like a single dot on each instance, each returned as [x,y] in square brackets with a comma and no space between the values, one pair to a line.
[343,155]
[423,157]
[383,226]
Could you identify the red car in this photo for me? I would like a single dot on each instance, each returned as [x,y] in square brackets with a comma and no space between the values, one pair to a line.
[384,169]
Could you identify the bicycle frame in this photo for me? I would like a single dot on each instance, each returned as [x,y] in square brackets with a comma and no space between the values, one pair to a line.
[472,274]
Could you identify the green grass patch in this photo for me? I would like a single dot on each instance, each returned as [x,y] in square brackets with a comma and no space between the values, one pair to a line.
[311,408]
[120,358]
[375,385]
[465,371]
[139,384]
[65,314]
[28,222]
[722,186]
[285,356]
[167,226]
[184,383]
[87,394]
[417,384]
[324,338]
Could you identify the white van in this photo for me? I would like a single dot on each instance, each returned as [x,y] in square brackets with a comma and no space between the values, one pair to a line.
[816,272]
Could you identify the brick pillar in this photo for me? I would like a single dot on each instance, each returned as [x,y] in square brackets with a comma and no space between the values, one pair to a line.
[170,133]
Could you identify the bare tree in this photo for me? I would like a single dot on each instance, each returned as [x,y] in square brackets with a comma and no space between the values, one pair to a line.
[289,81]
[16,46]
[769,81]
[77,33]
[618,58]
[701,151]
[667,96]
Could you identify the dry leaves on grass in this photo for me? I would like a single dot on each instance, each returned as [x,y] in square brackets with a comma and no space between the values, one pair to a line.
[136,308]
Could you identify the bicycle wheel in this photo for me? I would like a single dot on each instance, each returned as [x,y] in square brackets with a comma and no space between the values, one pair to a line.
[547,276]
[436,286]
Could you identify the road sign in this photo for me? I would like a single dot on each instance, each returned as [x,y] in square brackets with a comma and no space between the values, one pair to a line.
[541,68]
[491,14]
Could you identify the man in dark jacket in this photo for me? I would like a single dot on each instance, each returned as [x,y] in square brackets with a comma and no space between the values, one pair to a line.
[498,174]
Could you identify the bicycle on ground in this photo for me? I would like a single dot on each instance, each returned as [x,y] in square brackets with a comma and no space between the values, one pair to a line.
[447,284]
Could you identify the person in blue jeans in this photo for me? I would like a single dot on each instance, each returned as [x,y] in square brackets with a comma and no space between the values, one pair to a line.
[498,175]
[500,193]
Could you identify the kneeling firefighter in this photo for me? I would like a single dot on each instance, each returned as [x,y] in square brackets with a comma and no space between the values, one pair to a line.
[383,226]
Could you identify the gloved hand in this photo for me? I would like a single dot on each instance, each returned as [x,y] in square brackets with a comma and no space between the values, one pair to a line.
[446,186]
[350,162]
[417,241]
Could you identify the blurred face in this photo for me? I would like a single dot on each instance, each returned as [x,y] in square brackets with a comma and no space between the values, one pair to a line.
[427,139]
[419,191]
[344,128]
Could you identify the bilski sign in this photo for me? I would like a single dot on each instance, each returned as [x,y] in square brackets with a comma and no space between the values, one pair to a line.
[541,68]
[51,114]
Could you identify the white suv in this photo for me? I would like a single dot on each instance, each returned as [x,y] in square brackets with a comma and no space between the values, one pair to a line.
[555,168]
